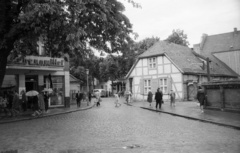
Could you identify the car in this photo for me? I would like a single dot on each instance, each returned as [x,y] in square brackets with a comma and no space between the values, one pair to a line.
[103,93]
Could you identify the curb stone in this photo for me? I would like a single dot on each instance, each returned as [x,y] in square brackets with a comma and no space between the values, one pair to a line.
[188,117]
[47,115]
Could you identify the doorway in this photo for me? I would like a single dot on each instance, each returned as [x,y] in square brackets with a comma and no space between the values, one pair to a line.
[31,82]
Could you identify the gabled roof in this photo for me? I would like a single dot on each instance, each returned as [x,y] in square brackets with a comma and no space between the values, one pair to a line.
[220,43]
[183,58]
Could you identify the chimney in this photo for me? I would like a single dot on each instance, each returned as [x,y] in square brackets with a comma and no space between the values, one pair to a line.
[204,37]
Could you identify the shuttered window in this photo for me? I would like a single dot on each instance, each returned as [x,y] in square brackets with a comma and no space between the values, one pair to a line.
[147,86]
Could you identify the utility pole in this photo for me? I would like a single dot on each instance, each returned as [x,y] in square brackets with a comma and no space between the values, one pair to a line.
[208,69]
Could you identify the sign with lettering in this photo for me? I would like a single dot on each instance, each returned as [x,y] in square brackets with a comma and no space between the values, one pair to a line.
[38,61]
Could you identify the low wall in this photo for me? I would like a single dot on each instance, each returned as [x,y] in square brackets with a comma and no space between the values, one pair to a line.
[224,95]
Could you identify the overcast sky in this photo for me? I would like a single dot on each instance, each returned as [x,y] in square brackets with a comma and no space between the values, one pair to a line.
[159,17]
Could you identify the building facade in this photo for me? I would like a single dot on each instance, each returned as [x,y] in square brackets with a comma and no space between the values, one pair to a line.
[40,73]
[170,66]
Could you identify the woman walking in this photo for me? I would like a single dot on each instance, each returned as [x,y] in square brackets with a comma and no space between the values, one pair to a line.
[149,98]
[117,104]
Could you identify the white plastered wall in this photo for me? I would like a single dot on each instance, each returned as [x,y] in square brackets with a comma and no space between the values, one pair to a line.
[165,68]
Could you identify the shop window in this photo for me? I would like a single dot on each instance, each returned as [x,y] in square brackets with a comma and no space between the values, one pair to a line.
[163,85]
[152,62]
[57,95]
[147,86]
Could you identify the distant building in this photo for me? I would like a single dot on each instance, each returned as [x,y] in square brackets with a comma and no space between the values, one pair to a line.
[224,48]
[170,66]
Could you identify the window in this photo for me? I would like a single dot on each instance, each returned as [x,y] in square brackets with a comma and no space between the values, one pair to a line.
[163,83]
[57,96]
[152,62]
[147,86]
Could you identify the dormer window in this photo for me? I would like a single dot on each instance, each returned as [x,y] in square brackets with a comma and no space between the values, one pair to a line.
[152,62]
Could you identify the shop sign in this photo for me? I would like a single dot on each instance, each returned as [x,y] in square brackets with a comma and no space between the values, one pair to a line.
[39,61]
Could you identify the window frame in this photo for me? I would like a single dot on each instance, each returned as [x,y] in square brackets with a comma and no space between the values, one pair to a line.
[163,85]
[147,85]
[152,62]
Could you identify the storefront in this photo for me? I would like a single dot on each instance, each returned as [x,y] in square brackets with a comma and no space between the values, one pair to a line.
[40,73]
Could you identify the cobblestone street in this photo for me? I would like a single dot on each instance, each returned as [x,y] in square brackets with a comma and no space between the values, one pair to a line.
[108,129]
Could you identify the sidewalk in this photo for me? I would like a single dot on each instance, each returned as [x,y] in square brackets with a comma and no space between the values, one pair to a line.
[191,110]
[51,112]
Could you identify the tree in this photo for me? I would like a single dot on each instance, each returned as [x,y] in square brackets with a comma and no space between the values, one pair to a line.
[144,45]
[132,51]
[79,65]
[64,27]
[178,37]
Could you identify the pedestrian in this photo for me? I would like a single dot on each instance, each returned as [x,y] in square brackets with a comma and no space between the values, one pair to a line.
[128,96]
[3,105]
[46,97]
[15,104]
[201,97]
[158,98]
[10,101]
[149,98]
[89,96]
[79,98]
[24,100]
[35,106]
[98,98]
[117,104]
[172,98]
[41,103]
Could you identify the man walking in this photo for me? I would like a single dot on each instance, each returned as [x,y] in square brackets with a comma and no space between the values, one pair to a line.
[158,98]
[201,97]
[79,98]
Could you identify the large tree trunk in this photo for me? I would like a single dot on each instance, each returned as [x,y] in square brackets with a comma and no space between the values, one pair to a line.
[9,12]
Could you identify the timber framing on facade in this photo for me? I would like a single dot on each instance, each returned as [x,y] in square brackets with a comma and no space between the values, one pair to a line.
[170,66]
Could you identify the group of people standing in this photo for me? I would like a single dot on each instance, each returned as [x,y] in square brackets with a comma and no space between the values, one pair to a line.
[13,105]
[82,96]
[40,103]
[159,98]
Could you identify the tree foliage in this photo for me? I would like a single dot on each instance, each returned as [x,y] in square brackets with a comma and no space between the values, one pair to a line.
[144,45]
[178,37]
[64,26]
[116,67]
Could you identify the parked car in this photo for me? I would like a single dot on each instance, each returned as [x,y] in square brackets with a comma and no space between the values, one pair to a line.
[103,93]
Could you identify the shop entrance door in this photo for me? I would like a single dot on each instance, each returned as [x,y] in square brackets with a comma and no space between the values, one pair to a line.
[31,82]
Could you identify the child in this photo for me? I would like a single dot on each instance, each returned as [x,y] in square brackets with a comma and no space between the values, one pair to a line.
[98,98]
[117,104]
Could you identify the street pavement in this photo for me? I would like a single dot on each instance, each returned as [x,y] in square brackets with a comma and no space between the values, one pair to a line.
[51,112]
[186,109]
[124,129]
[191,110]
